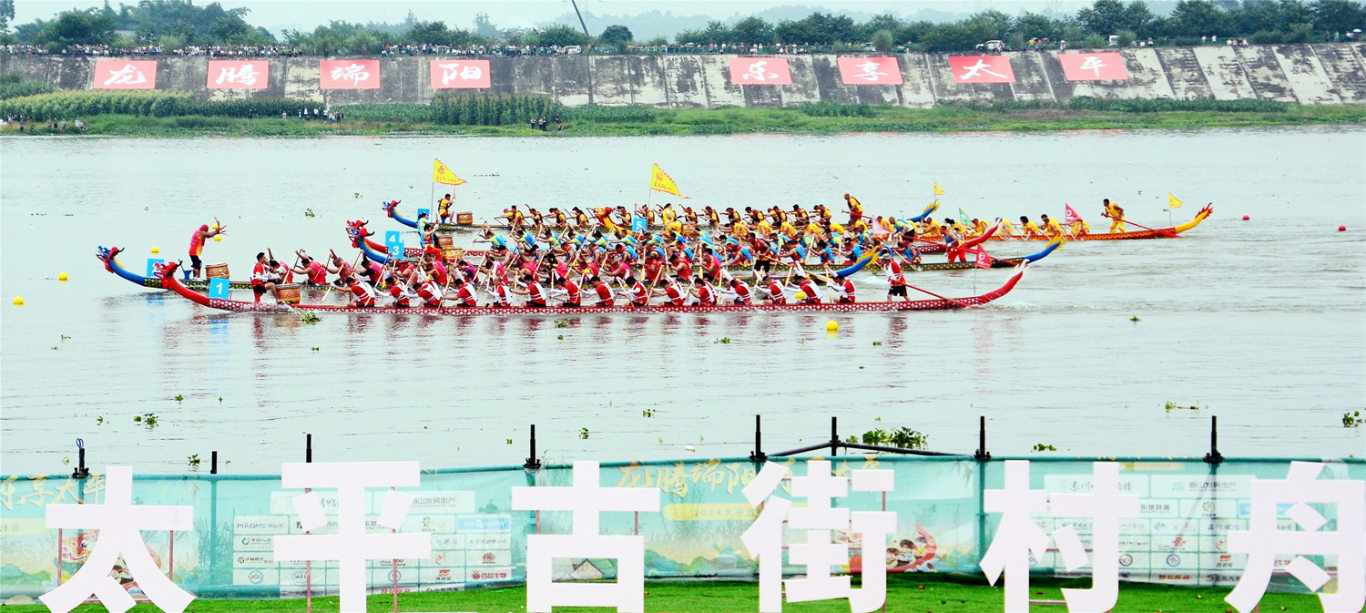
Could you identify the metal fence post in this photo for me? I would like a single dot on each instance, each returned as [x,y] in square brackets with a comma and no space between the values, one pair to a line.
[1214,457]
[531,462]
[758,455]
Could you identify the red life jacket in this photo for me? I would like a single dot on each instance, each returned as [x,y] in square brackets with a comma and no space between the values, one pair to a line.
[573,291]
[465,297]
[604,294]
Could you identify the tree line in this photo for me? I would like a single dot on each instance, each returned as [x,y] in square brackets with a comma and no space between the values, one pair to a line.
[173,24]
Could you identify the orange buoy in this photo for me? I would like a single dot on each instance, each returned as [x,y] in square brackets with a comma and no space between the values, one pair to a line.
[1342,228]
[1245,218]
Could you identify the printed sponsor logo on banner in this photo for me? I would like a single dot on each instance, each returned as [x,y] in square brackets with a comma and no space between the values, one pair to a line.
[121,74]
[1135,526]
[1093,66]
[1153,507]
[389,564]
[1083,526]
[870,71]
[459,501]
[1135,542]
[262,576]
[448,558]
[1176,543]
[490,541]
[460,74]
[1174,578]
[348,74]
[1136,485]
[252,542]
[226,74]
[759,71]
[1196,507]
[289,591]
[1223,561]
[483,523]
[451,574]
[483,559]
[1173,527]
[710,511]
[981,69]
[446,542]
[282,502]
[488,574]
[1192,486]
[382,576]
[24,527]
[1222,526]
[253,560]
[1219,578]
[444,524]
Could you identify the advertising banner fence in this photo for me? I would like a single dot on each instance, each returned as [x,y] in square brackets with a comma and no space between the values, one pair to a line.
[1186,510]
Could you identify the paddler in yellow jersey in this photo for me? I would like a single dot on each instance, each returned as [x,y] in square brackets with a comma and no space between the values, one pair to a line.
[979,227]
[1028,230]
[799,215]
[763,228]
[788,230]
[647,213]
[929,228]
[1051,228]
[1115,214]
[855,209]
[443,209]
[1007,229]
[1080,228]
[514,217]
[823,214]
[667,214]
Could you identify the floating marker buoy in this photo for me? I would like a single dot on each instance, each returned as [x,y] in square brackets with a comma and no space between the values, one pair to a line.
[18,301]
[155,250]
[218,239]
[1245,218]
[800,296]
[61,277]
[832,326]
[1342,228]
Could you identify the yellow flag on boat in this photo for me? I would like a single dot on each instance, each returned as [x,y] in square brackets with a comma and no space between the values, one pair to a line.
[660,182]
[1172,202]
[442,174]
[938,191]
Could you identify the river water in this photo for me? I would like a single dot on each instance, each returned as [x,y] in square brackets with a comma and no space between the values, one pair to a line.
[1260,322]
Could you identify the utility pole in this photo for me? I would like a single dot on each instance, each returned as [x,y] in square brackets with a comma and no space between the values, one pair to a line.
[581,23]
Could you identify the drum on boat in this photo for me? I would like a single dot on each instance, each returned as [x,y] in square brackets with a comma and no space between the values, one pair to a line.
[289,293]
[216,271]
[464,219]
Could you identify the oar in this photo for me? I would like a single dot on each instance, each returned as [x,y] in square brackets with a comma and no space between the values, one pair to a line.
[1165,232]
[966,306]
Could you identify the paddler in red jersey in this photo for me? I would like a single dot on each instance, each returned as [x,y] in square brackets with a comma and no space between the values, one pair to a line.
[197,246]
[673,294]
[363,295]
[895,279]
[705,292]
[465,293]
[844,289]
[534,292]
[638,294]
[777,295]
[570,291]
[743,295]
[810,289]
[602,290]
[260,278]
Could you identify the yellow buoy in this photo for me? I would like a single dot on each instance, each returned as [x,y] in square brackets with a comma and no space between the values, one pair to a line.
[832,326]
[155,250]
[18,301]
[61,277]
[800,296]
[217,239]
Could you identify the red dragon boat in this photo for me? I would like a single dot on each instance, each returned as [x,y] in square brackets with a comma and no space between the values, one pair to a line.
[167,273]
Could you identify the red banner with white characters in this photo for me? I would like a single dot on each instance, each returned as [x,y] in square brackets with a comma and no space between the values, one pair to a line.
[349,74]
[870,71]
[981,69]
[124,74]
[1093,67]
[460,74]
[759,71]
[232,74]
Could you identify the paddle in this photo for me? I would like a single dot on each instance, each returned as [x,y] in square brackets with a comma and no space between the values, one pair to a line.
[1167,233]
[966,306]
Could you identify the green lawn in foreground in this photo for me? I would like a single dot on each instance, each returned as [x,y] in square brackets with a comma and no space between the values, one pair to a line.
[740,121]
[930,594]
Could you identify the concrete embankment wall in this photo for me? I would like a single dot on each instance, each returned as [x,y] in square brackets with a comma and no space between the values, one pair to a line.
[1331,73]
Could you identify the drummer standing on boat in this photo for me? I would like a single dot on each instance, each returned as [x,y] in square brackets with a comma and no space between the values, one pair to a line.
[197,244]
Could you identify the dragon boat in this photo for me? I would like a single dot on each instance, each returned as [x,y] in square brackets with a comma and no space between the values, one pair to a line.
[167,273]
[108,255]
[1172,232]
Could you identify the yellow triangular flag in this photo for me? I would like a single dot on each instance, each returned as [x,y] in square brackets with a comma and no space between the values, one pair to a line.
[442,174]
[660,182]
[1172,202]
[938,191]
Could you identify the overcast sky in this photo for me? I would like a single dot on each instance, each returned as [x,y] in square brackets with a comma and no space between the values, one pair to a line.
[277,15]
